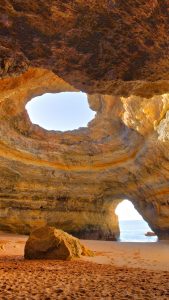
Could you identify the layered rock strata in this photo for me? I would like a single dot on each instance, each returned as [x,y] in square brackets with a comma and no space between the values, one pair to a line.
[74,180]
[117,51]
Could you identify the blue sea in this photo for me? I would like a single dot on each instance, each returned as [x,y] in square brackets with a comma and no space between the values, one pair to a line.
[134,231]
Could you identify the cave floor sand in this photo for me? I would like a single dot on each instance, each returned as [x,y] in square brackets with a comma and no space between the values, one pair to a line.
[118,271]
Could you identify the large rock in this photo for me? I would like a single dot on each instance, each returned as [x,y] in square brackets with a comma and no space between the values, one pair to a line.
[51,243]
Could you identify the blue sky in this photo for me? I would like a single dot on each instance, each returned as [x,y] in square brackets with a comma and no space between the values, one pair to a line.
[60,111]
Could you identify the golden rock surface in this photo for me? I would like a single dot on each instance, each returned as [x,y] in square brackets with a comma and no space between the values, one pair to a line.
[117,52]
[74,180]
[51,243]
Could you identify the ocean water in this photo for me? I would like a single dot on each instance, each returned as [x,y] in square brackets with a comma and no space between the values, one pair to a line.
[134,231]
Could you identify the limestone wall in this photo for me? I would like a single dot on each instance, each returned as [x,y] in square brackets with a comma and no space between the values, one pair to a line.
[117,52]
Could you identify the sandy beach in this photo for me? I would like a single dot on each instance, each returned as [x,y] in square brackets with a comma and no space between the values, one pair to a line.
[118,271]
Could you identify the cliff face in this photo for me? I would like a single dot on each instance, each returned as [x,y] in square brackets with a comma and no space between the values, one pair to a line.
[117,51]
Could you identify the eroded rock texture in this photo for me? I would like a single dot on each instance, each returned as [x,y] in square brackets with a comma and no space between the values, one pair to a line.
[106,46]
[51,243]
[117,51]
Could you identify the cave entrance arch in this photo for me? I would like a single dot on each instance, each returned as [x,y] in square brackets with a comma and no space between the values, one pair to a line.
[132,226]
[62,111]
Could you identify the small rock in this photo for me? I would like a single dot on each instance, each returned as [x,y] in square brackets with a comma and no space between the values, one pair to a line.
[150,233]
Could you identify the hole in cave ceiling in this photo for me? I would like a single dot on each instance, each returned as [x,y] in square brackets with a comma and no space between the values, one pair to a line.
[61,111]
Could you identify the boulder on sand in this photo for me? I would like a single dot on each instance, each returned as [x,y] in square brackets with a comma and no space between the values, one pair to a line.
[51,243]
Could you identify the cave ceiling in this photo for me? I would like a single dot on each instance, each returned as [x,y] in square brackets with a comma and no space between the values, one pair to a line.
[116,52]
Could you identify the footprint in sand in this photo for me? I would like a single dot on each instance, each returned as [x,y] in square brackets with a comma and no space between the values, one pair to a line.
[2,247]
[136,254]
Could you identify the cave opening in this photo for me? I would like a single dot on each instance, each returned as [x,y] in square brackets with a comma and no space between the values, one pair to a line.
[133,228]
[61,111]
